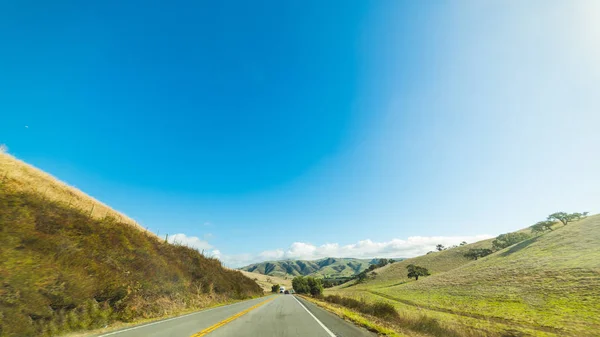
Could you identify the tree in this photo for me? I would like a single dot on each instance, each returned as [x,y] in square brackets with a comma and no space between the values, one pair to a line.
[416,271]
[361,277]
[476,253]
[463,243]
[275,288]
[315,286]
[382,263]
[300,285]
[391,261]
[440,248]
[565,218]
[508,239]
[542,226]
[327,283]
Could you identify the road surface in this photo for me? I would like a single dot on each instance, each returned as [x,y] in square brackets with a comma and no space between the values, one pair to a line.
[272,316]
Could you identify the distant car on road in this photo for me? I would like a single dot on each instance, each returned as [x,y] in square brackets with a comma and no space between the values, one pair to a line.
[286,292]
[282,290]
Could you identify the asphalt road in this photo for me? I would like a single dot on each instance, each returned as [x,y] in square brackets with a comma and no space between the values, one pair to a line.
[273,316]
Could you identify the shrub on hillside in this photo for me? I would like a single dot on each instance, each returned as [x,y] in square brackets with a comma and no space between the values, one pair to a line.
[476,253]
[275,288]
[509,239]
[542,227]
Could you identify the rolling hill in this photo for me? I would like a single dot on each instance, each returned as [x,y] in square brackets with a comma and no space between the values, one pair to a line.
[65,268]
[266,281]
[548,285]
[327,267]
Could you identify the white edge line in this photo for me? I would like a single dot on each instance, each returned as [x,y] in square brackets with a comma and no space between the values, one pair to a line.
[168,319]
[316,319]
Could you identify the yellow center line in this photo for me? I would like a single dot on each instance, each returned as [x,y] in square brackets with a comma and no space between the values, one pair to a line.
[223,322]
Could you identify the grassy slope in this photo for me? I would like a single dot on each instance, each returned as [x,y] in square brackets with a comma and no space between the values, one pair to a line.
[331,267]
[548,285]
[26,178]
[266,281]
[62,270]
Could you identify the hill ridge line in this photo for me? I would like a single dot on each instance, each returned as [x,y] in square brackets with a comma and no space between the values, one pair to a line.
[23,177]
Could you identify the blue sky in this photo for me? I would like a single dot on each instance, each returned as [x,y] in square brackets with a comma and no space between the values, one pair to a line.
[296,129]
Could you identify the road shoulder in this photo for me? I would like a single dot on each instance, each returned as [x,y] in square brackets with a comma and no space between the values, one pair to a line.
[339,324]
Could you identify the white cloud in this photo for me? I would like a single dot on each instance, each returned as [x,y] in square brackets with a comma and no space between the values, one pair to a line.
[190,241]
[411,247]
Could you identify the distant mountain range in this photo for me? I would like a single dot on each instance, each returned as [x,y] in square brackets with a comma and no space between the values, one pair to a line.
[327,267]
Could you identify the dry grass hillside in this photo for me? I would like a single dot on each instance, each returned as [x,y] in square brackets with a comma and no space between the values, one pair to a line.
[63,270]
[26,178]
[548,285]
[266,281]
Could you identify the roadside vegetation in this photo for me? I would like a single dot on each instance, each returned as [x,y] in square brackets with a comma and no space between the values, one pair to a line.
[307,285]
[526,283]
[63,270]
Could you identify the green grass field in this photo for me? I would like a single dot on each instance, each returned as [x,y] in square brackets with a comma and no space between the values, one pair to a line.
[546,286]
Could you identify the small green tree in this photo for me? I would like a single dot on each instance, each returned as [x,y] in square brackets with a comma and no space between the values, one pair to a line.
[382,263]
[275,288]
[463,243]
[508,239]
[300,285]
[476,253]
[542,226]
[361,277]
[416,271]
[440,247]
[315,286]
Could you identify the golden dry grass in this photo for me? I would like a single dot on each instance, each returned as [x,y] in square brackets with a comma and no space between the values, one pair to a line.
[62,270]
[266,281]
[26,178]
